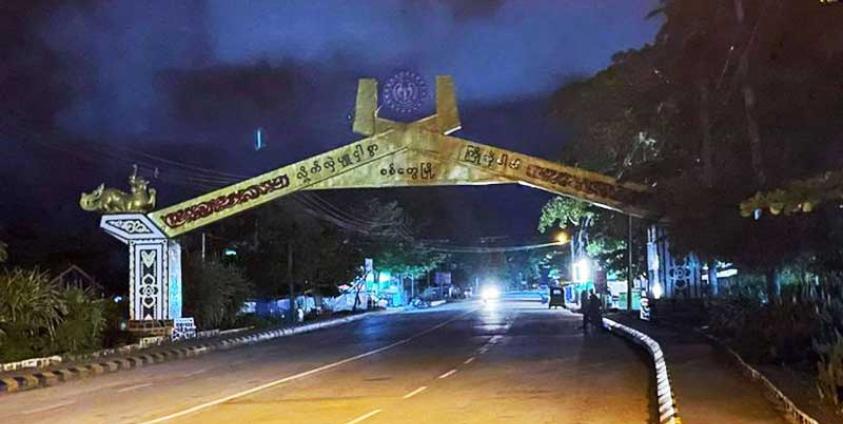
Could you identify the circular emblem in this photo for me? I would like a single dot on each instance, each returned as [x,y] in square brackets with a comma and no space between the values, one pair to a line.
[405,92]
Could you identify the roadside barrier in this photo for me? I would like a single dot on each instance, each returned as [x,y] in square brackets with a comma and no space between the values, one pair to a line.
[791,412]
[35,379]
[668,411]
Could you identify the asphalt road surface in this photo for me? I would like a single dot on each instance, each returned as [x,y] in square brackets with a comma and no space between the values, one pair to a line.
[510,362]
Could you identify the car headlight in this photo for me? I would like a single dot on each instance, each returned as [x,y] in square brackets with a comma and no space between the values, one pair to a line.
[490,292]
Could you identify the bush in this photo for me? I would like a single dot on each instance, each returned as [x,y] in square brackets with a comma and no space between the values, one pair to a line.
[38,318]
[805,315]
[214,293]
[82,324]
[829,342]
[772,332]
[31,309]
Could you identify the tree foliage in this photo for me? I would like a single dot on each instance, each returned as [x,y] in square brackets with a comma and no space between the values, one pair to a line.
[82,324]
[712,104]
[214,292]
[38,318]
[596,233]
[391,243]
[732,98]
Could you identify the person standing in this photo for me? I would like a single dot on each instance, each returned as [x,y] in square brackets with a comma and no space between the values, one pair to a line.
[596,311]
[585,309]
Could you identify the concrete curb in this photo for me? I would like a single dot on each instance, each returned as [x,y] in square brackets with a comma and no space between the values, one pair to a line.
[38,379]
[668,410]
[789,410]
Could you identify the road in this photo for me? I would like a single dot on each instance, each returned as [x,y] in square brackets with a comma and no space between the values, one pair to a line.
[510,362]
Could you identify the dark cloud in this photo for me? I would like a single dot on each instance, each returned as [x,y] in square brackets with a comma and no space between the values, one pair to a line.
[496,50]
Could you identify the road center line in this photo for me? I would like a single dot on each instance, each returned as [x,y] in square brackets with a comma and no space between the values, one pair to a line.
[47,408]
[135,387]
[197,372]
[300,375]
[469,360]
[364,417]
[414,392]
[448,374]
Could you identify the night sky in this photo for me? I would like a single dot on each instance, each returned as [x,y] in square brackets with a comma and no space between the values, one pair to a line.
[88,88]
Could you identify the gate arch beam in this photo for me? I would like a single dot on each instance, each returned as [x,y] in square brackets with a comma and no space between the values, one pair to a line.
[415,147]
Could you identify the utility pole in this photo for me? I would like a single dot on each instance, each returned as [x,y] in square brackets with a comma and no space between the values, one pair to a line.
[290,280]
[573,258]
[749,97]
[629,265]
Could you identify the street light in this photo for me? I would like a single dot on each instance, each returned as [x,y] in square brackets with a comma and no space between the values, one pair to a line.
[582,270]
[562,237]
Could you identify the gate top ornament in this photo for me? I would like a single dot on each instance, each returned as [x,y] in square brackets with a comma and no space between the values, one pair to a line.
[111,200]
[405,92]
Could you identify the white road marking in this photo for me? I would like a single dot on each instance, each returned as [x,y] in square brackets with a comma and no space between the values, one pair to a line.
[47,408]
[364,417]
[448,374]
[135,387]
[197,372]
[469,360]
[300,375]
[414,392]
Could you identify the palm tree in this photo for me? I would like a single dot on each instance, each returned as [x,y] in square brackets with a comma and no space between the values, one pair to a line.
[31,306]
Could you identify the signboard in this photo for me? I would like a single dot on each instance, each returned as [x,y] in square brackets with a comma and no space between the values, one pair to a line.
[644,313]
[183,328]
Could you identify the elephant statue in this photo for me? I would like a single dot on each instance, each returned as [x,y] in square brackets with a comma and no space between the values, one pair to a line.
[111,200]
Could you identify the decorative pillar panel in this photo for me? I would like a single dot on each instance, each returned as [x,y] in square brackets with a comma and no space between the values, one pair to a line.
[671,276]
[655,262]
[149,283]
[174,292]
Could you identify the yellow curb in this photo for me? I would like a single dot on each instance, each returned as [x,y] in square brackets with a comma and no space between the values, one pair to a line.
[49,377]
[31,380]
[11,384]
[64,374]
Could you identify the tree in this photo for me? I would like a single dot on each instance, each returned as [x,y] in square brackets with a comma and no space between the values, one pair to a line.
[4,252]
[687,116]
[598,234]
[214,292]
[391,244]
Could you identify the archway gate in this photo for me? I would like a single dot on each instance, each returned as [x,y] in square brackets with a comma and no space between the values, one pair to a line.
[392,154]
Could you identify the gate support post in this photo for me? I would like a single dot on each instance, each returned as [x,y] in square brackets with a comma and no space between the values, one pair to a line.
[670,276]
[154,273]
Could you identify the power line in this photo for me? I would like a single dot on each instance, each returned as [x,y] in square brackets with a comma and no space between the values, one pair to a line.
[475,249]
